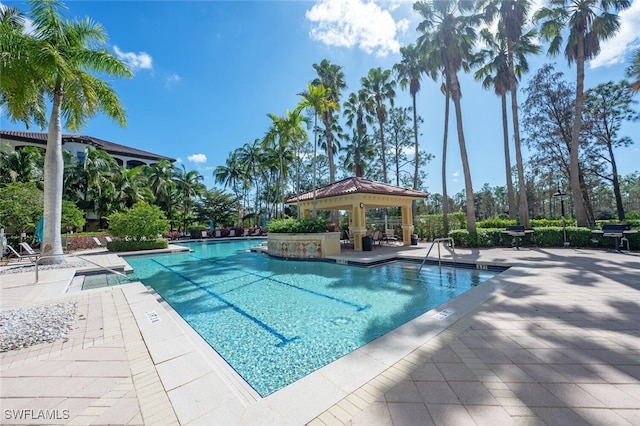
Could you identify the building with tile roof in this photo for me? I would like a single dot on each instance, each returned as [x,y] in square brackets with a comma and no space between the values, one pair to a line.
[75,144]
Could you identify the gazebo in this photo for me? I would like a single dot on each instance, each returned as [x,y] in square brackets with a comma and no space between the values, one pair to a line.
[355,195]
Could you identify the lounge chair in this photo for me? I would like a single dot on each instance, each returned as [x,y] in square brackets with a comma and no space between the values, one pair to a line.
[108,238]
[257,232]
[98,242]
[389,236]
[246,232]
[218,233]
[31,253]
[204,234]
[232,233]
[377,237]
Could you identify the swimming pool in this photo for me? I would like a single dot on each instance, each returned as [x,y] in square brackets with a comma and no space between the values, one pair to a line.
[276,321]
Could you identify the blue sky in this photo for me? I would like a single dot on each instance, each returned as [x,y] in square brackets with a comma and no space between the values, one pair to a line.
[208,72]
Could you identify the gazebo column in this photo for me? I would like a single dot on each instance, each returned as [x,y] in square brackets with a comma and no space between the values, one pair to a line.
[407,224]
[359,227]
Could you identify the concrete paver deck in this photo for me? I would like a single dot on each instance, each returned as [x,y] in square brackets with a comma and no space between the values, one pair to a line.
[553,340]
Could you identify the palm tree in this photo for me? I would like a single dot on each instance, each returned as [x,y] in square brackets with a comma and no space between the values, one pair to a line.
[332,78]
[318,98]
[189,185]
[251,156]
[23,165]
[409,71]
[512,18]
[633,71]
[448,39]
[495,73]
[355,111]
[380,86]
[59,62]
[160,178]
[589,22]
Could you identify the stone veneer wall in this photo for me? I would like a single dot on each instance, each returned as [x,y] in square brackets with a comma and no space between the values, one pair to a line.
[304,246]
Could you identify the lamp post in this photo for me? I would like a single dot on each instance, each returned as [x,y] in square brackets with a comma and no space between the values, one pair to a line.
[561,195]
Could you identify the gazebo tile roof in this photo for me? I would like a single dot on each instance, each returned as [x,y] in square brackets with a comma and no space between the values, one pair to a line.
[354,185]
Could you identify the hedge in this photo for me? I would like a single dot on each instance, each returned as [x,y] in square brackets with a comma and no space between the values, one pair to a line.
[542,237]
[136,245]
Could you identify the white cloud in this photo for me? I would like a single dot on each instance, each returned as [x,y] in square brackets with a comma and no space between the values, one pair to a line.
[613,50]
[359,23]
[135,61]
[197,158]
[173,78]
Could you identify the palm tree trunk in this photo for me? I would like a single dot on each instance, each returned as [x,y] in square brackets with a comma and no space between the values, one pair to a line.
[471,214]
[507,159]
[417,146]
[315,154]
[616,184]
[522,190]
[445,196]
[580,211]
[53,174]
[383,150]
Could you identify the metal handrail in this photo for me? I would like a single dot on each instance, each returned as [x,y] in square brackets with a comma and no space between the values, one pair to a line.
[439,240]
[79,257]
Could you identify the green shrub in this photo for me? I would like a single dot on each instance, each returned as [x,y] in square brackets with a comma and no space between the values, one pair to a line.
[289,225]
[544,223]
[136,245]
[431,226]
[496,223]
[140,222]
[72,216]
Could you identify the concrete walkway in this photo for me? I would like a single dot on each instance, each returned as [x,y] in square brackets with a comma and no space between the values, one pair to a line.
[553,340]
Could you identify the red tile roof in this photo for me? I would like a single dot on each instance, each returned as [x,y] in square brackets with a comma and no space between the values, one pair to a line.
[354,185]
[40,138]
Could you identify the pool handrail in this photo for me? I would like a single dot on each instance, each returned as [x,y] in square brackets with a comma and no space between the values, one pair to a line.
[79,257]
[439,240]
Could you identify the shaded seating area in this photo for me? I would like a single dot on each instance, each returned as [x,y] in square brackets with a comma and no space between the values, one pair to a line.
[389,236]
[517,232]
[354,196]
[619,232]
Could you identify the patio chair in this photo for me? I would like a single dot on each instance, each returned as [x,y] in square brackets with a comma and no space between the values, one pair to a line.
[204,234]
[31,253]
[257,232]
[377,237]
[98,242]
[232,233]
[246,232]
[218,233]
[108,238]
[389,236]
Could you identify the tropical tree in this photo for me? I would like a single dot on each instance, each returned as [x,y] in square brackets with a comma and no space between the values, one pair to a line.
[161,183]
[58,60]
[512,16]
[23,165]
[189,185]
[380,86]
[633,72]
[318,99]
[448,38]
[409,71]
[606,106]
[332,78]
[496,72]
[250,154]
[355,111]
[130,187]
[232,174]
[588,23]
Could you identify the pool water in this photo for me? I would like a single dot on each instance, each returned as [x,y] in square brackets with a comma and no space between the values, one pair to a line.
[276,321]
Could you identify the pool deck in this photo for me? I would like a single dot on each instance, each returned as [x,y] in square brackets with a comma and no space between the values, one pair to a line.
[553,340]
